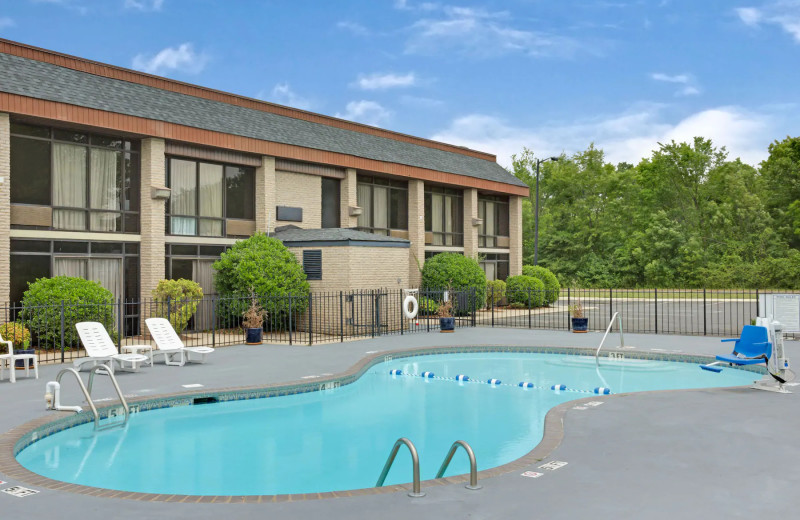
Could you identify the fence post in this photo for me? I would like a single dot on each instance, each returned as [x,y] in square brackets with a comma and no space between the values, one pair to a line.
[310,319]
[610,303]
[169,309]
[121,325]
[474,305]
[62,332]
[341,316]
[378,295]
[372,299]
[492,305]
[290,318]
[569,304]
[529,307]
[758,310]
[656,309]
[402,310]
[704,311]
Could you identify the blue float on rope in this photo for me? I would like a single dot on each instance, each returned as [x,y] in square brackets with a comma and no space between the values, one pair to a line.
[558,387]
[462,377]
[428,375]
[494,382]
[524,384]
[602,391]
[396,372]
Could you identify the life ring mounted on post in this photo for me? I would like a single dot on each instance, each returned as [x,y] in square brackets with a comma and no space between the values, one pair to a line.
[411,300]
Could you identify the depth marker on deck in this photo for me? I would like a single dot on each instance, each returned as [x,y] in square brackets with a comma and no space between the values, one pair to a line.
[554,465]
[532,474]
[20,492]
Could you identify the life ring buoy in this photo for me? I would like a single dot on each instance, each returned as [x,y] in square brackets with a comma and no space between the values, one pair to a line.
[410,314]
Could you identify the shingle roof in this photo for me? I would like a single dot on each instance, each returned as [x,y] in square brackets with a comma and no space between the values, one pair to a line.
[345,236]
[31,78]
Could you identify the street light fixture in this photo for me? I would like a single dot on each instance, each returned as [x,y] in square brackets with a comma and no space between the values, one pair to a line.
[536,215]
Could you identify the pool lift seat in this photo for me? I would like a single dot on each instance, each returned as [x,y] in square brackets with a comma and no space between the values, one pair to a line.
[753,347]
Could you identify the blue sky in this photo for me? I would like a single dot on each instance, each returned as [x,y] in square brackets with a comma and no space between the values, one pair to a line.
[493,75]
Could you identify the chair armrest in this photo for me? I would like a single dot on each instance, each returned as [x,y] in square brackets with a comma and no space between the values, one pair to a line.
[10,347]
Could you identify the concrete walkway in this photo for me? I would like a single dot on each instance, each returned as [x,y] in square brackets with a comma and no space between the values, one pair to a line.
[727,453]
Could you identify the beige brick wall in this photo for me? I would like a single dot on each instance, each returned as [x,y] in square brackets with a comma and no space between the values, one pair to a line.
[470,231]
[5,207]
[265,195]
[416,230]
[349,198]
[515,234]
[345,268]
[152,259]
[299,190]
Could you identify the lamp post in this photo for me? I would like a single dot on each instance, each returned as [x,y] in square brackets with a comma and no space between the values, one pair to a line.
[536,215]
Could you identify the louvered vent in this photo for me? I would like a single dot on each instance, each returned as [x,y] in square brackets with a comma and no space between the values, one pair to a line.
[312,264]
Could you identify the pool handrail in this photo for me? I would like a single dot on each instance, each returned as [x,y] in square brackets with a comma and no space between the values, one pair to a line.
[618,317]
[473,465]
[415,486]
[87,393]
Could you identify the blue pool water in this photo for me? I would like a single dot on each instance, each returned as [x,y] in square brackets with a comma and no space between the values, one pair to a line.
[339,439]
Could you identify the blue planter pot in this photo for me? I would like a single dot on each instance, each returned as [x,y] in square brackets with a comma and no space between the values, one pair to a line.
[447,324]
[580,324]
[253,336]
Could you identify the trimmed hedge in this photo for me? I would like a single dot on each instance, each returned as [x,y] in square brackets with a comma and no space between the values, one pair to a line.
[498,289]
[551,285]
[525,290]
[457,272]
[263,265]
[83,301]
[177,301]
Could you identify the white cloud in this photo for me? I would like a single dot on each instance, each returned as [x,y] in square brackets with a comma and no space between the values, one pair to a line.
[480,33]
[689,87]
[144,5]
[784,13]
[5,21]
[284,95]
[353,27]
[629,136]
[367,112]
[385,81]
[421,102]
[182,58]
[73,5]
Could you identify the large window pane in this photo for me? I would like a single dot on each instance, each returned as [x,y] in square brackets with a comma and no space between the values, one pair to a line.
[30,171]
[69,185]
[210,190]
[398,209]
[364,194]
[105,170]
[209,228]
[183,182]
[240,192]
[331,204]
[183,226]
[26,269]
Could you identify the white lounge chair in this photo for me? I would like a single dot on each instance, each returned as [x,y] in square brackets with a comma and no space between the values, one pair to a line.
[8,360]
[170,345]
[101,349]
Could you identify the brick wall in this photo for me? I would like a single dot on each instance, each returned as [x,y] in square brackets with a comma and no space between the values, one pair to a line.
[346,268]
[300,191]
[152,259]
[470,231]
[265,194]
[416,230]
[515,234]
[349,198]
[5,207]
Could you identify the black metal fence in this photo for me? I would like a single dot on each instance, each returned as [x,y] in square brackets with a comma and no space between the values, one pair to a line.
[336,316]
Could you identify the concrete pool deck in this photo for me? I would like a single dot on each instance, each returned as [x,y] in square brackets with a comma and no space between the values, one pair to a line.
[711,453]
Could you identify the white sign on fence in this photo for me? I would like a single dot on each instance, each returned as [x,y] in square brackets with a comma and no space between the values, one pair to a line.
[784,308]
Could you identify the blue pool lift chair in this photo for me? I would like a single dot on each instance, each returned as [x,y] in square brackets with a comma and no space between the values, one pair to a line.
[751,348]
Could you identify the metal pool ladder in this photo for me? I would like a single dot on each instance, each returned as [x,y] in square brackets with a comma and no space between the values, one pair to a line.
[87,393]
[473,466]
[617,316]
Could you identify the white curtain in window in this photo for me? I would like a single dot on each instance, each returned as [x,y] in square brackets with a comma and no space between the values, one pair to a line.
[105,181]
[210,199]
[69,186]
[437,201]
[107,271]
[204,275]
[490,269]
[69,267]
[182,200]
[364,194]
[381,217]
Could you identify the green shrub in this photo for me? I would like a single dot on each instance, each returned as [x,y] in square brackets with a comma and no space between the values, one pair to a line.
[177,301]
[83,301]
[551,286]
[427,306]
[495,290]
[457,272]
[525,290]
[16,333]
[262,265]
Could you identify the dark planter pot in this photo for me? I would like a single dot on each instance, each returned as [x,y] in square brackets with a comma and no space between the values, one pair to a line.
[447,324]
[20,363]
[253,336]
[580,324]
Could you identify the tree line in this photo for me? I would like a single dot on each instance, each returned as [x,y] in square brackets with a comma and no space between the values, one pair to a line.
[687,216]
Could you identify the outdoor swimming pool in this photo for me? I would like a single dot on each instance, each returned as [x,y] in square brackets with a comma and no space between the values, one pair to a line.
[339,439]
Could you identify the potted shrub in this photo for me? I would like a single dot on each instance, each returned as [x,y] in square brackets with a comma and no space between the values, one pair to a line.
[447,323]
[254,321]
[20,336]
[579,322]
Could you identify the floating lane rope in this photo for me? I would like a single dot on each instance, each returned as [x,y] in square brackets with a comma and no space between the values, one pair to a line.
[524,384]
[462,378]
[428,375]
[602,391]
[558,387]
[396,372]
[494,382]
